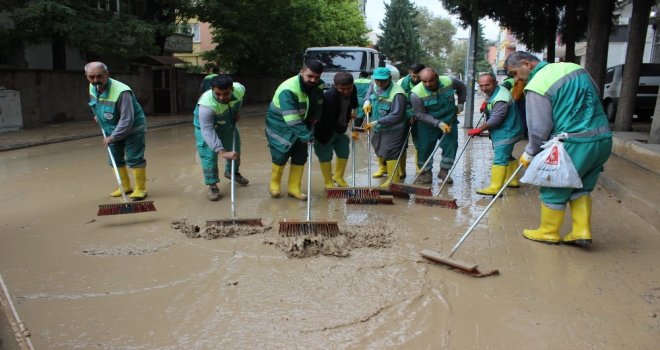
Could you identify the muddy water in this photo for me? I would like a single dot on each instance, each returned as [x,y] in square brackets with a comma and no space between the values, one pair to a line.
[134,281]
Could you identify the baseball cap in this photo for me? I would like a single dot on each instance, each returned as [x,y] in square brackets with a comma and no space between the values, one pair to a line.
[381,73]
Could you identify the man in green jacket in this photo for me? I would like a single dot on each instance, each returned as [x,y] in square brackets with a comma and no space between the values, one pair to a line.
[561,99]
[118,112]
[215,119]
[435,116]
[295,107]
[505,130]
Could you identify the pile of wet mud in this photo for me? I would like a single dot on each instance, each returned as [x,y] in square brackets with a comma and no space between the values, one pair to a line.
[350,237]
[215,230]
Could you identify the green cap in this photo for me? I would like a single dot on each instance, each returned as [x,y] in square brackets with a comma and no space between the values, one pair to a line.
[381,73]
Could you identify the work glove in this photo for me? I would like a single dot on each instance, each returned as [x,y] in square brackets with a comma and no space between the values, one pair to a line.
[355,135]
[369,126]
[483,106]
[444,127]
[459,109]
[367,107]
[474,132]
[525,159]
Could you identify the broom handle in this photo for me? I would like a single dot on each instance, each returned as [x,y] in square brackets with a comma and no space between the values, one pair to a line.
[114,166]
[368,153]
[233,172]
[466,234]
[309,179]
[353,149]
[451,170]
[421,170]
[398,159]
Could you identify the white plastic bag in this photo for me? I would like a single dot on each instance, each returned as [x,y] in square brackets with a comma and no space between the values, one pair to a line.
[552,167]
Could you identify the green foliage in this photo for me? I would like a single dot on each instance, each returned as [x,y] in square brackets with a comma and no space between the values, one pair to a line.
[285,28]
[435,34]
[139,28]
[401,39]
[456,59]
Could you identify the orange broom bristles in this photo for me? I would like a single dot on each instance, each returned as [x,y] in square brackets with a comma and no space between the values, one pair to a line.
[126,208]
[292,228]
[436,201]
[410,189]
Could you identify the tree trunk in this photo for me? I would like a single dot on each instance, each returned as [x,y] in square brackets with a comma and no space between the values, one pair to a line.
[639,22]
[570,31]
[598,35]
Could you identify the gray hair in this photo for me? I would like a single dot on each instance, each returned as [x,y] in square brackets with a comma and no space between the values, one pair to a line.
[96,64]
[489,74]
[515,59]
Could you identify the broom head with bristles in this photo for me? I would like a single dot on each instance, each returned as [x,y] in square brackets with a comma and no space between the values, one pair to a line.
[126,208]
[347,192]
[396,187]
[292,228]
[234,222]
[437,202]
[370,200]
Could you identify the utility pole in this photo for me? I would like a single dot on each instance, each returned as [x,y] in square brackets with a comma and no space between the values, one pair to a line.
[470,73]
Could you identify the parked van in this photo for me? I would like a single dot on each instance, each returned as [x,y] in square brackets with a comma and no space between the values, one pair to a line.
[647,90]
[352,59]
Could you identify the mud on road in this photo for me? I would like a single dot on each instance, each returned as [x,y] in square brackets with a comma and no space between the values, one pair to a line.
[135,281]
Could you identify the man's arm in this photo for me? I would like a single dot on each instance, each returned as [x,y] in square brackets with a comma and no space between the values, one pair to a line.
[498,114]
[539,121]
[126,116]
[207,126]
[461,90]
[420,111]
[295,122]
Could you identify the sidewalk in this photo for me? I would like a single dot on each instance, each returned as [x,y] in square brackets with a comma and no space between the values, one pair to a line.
[632,173]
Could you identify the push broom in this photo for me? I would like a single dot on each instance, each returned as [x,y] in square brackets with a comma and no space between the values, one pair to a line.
[446,202]
[291,228]
[234,221]
[462,266]
[397,188]
[359,195]
[126,207]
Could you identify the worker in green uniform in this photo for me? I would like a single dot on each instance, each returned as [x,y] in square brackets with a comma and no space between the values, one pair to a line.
[505,130]
[361,85]
[118,112]
[215,119]
[562,100]
[206,82]
[388,121]
[407,84]
[295,107]
[435,116]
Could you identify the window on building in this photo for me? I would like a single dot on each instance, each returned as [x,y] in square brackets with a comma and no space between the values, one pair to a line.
[195,32]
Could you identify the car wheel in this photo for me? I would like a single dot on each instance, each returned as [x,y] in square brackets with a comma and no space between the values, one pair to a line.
[610,110]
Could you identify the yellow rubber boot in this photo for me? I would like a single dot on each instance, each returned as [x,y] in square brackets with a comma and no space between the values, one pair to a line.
[340,168]
[391,169]
[497,179]
[140,192]
[125,183]
[295,178]
[402,166]
[510,169]
[382,170]
[581,214]
[326,170]
[548,231]
[275,180]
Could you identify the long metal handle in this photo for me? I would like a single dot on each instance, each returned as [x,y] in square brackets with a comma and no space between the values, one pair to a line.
[368,152]
[309,180]
[353,149]
[421,170]
[398,159]
[114,166]
[466,234]
[233,174]
[460,154]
